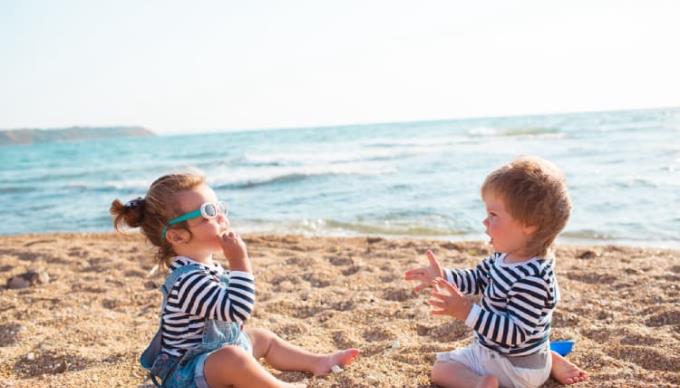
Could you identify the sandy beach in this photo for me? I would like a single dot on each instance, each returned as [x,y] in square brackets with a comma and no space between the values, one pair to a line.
[84,317]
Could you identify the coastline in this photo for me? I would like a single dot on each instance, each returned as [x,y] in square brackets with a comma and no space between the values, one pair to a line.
[88,324]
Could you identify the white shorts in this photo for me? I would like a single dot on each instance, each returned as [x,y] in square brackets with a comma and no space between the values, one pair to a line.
[484,361]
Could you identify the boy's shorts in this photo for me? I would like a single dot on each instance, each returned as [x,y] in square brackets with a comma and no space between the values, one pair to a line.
[484,361]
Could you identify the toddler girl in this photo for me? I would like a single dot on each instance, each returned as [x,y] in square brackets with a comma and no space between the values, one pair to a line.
[202,340]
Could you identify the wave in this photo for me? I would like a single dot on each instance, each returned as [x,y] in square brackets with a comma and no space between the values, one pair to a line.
[48,176]
[392,230]
[249,178]
[286,178]
[345,156]
[124,186]
[414,143]
[587,234]
[515,132]
[335,227]
[16,189]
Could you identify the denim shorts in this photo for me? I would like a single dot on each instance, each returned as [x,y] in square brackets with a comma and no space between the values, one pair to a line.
[190,372]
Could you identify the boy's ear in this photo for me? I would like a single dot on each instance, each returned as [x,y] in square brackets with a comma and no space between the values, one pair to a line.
[529,229]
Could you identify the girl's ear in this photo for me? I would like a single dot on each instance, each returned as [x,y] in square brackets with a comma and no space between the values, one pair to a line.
[177,236]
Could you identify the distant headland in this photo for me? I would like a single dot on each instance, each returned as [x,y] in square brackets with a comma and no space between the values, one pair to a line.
[36,135]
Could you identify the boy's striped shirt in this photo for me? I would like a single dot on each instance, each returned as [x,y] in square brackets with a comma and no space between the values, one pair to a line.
[198,295]
[517,302]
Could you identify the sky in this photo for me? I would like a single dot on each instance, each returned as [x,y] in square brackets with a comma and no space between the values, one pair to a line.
[182,67]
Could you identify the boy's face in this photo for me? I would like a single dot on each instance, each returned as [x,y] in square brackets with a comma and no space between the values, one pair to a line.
[507,234]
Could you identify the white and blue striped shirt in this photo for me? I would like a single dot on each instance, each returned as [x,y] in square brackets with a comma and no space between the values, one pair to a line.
[199,295]
[517,302]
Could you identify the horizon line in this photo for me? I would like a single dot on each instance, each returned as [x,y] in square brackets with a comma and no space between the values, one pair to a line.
[196,131]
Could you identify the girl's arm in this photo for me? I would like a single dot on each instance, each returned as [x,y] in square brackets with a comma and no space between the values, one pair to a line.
[199,294]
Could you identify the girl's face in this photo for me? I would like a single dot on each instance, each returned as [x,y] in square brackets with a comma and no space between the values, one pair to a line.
[206,233]
[507,234]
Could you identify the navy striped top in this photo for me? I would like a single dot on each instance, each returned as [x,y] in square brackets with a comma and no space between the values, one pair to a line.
[198,295]
[514,315]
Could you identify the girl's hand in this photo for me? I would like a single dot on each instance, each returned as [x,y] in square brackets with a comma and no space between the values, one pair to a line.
[447,300]
[234,249]
[426,275]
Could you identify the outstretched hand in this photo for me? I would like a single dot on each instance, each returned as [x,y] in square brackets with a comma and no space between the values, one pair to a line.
[426,275]
[446,299]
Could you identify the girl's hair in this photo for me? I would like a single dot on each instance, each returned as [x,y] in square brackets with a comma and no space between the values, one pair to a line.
[154,211]
[535,194]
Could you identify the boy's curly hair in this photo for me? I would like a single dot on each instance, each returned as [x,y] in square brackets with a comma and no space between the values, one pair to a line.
[534,193]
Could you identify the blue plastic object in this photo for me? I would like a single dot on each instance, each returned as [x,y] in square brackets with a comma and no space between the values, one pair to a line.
[562,347]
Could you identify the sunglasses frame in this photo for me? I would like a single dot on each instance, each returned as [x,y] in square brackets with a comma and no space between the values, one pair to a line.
[219,206]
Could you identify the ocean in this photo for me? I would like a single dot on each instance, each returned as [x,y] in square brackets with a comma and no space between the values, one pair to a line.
[411,179]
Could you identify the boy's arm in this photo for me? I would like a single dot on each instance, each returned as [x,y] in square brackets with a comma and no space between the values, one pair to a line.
[527,301]
[470,281]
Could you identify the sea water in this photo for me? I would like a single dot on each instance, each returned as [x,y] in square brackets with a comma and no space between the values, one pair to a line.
[412,179]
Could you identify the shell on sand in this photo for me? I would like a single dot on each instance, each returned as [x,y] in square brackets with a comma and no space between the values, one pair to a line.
[89,323]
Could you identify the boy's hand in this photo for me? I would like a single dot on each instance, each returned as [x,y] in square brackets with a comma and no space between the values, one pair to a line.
[234,249]
[447,300]
[426,275]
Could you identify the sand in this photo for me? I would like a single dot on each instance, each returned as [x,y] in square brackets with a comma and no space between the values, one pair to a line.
[87,325]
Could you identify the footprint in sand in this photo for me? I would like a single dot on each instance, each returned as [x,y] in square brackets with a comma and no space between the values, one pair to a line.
[351,270]
[31,243]
[378,334]
[342,339]
[598,335]
[592,278]
[670,317]
[10,333]
[340,261]
[639,340]
[135,273]
[398,294]
[293,330]
[447,332]
[565,319]
[33,365]
[648,358]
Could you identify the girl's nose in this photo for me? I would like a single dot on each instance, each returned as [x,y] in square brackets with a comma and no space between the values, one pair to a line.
[222,218]
[486,222]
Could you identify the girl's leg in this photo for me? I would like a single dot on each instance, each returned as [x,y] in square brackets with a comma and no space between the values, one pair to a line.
[454,374]
[232,366]
[565,372]
[286,356]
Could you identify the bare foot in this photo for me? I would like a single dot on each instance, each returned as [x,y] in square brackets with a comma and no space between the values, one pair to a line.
[488,382]
[565,372]
[341,358]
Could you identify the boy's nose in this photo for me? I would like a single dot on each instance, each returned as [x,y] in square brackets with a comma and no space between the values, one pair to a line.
[485,222]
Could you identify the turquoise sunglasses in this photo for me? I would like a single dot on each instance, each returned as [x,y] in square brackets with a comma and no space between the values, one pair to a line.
[208,210]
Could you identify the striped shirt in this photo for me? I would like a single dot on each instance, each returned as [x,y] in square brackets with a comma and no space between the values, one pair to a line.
[198,295]
[513,317]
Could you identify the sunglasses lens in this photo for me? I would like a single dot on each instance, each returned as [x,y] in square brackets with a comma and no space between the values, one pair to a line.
[210,210]
[223,208]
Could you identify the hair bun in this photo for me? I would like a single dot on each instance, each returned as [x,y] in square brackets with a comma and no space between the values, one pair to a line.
[135,203]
